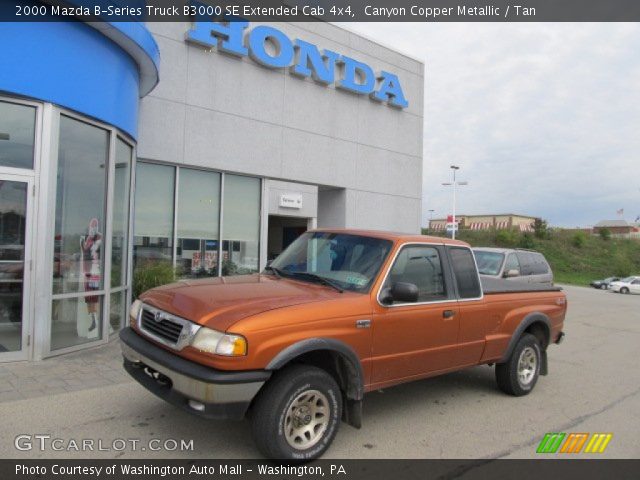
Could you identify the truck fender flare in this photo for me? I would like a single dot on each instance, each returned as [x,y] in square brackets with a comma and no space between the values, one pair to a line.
[535,317]
[355,390]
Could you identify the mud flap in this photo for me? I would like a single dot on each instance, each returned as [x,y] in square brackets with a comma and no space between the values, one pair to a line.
[352,412]
[544,365]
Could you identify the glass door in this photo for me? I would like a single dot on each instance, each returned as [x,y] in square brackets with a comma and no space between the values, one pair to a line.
[15,266]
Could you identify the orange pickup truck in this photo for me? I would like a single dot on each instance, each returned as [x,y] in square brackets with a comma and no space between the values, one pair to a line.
[338,314]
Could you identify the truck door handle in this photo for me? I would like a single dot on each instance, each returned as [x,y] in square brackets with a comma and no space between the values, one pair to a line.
[448,314]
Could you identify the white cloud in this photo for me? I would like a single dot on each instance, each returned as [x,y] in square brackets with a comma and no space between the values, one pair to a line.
[544,119]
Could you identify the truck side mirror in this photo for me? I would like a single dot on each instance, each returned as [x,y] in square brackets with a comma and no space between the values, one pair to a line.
[402,292]
[511,273]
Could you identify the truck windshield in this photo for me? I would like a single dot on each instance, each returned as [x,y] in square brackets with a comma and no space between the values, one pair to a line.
[350,262]
[489,263]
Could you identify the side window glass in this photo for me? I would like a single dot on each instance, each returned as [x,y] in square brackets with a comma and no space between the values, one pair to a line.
[512,263]
[422,267]
[544,266]
[526,267]
[464,269]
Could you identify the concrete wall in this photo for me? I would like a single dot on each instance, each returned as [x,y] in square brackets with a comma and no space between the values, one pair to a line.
[309,194]
[218,111]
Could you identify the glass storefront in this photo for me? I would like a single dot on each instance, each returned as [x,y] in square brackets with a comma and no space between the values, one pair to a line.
[198,222]
[187,223]
[67,159]
[79,233]
[241,233]
[153,228]
[17,135]
[17,157]
[120,235]
[216,215]
[13,216]
[88,162]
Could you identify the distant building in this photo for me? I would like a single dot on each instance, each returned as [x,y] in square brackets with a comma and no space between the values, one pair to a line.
[504,221]
[618,228]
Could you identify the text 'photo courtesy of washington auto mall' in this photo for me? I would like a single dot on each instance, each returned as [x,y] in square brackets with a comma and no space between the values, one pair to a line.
[284,239]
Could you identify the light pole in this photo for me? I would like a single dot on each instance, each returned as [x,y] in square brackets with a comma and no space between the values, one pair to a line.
[455,185]
[431,210]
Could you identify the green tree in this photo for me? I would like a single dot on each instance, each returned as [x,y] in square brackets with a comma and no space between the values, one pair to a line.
[540,228]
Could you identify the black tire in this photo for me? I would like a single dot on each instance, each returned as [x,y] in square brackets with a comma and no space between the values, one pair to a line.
[507,374]
[603,287]
[624,290]
[273,409]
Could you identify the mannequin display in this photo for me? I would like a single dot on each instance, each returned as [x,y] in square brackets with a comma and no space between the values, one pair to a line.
[90,253]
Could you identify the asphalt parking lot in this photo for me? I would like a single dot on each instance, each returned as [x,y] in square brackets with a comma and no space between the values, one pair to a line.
[593,386]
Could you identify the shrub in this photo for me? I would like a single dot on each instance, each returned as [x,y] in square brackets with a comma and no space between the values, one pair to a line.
[605,234]
[229,268]
[540,228]
[150,275]
[526,241]
[621,266]
[507,238]
[579,239]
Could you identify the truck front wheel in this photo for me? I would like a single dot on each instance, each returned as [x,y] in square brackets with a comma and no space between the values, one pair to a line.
[297,415]
[519,374]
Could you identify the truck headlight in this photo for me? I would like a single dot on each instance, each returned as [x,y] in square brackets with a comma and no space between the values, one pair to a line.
[212,341]
[134,311]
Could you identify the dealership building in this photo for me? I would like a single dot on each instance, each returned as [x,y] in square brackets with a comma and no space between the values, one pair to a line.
[127,149]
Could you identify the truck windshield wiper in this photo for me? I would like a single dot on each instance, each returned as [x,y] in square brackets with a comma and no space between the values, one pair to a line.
[318,278]
[276,271]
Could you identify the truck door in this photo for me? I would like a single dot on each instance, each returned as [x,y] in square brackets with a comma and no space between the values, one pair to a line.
[415,338]
[475,321]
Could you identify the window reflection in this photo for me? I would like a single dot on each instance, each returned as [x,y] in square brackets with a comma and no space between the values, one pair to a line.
[17,133]
[241,231]
[153,226]
[120,229]
[78,242]
[197,226]
[198,220]
[13,203]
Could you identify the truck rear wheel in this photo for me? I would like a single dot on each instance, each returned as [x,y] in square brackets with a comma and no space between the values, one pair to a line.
[519,374]
[296,416]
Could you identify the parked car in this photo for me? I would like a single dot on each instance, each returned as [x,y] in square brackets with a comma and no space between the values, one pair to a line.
[513,264]
[339,313]
[626,285]
[604,284]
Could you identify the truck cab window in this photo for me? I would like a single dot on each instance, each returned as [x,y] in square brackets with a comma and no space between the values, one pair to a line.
[466,274]
[422,267]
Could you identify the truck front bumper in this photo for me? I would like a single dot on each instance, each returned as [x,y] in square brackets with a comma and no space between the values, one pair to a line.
[193,387]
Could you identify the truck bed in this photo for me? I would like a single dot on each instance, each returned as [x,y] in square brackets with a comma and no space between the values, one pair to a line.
[499,285]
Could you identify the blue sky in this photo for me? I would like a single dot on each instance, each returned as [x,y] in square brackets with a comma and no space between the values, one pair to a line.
[543,118]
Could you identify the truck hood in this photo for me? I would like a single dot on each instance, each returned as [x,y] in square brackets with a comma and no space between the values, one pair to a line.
[220,302]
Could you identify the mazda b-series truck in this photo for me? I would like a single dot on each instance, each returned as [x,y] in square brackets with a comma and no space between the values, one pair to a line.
[338,314]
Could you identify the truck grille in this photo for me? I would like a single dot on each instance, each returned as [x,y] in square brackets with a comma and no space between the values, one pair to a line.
[163,327]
